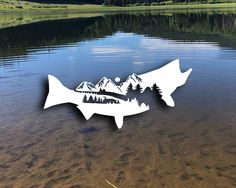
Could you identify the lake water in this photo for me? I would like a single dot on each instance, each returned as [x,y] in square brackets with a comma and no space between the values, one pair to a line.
[191,145]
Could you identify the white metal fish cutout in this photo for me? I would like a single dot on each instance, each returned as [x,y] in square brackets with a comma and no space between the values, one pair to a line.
[103,98]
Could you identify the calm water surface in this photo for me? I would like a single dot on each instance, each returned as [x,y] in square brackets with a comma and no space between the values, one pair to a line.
[191,145]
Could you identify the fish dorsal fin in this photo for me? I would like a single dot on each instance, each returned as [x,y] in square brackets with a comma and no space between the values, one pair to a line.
[119,121]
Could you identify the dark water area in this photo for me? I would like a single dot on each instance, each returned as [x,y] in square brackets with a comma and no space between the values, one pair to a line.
[190,145]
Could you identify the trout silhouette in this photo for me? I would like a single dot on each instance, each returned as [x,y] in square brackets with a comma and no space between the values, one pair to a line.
[96,99]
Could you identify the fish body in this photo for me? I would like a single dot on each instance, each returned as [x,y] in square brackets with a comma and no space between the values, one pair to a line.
[90,100]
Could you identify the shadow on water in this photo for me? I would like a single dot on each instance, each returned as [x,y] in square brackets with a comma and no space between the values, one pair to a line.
[45,90]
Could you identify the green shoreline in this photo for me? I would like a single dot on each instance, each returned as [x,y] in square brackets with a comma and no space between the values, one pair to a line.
[28,14]
[36,7]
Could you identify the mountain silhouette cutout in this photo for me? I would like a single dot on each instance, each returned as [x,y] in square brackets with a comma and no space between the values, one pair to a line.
[86,86]
[132,80]
[108,85]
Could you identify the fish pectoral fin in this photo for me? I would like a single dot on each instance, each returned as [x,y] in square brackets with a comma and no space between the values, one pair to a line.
[119,121]
[86,112]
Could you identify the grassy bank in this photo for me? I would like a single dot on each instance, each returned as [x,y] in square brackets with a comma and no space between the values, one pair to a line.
[20,18]
[23,6]
[13,12]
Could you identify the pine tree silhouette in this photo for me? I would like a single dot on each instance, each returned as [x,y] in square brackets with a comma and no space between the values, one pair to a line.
[138,88]
[156,89]
[91,99]
[85,98]
[130,88]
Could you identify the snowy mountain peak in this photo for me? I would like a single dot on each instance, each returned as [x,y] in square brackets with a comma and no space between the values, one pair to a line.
[86,86]
[110,82]
[133,80]
[108,85]
[102,82]
[136,77]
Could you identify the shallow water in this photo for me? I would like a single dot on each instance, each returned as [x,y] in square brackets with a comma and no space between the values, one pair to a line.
[191,145]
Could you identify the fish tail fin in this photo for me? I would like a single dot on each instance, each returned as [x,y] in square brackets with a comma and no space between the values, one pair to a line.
[58,94]
[119,121]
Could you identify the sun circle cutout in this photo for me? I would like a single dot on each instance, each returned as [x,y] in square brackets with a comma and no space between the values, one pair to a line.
[117,79]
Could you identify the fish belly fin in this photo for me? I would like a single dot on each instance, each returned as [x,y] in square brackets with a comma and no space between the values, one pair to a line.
[119,121]
[168,100]
[87,113]
[57,94]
